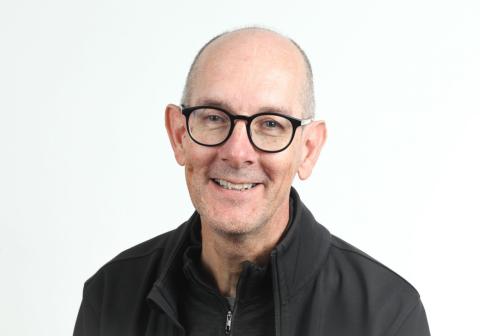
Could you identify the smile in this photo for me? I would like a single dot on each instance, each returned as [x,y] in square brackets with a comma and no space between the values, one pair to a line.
[233,186]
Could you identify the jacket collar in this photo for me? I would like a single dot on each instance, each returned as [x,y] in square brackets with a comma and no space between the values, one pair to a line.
[298,257]
[302,252]
[166,290]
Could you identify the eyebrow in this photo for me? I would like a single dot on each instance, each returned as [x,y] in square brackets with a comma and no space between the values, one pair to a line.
[215,102]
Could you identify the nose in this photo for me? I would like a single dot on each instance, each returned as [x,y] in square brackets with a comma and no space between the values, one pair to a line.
[237,151]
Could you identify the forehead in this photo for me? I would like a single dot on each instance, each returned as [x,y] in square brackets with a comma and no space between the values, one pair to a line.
[251,71]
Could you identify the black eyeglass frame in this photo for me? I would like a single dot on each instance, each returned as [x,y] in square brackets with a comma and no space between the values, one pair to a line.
[186,111]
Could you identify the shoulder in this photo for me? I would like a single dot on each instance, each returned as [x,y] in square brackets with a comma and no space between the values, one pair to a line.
[390,303]
[371,287]
[361,266]
[140,264]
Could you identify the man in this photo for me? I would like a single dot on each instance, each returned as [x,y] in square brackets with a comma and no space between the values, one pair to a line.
[251,260]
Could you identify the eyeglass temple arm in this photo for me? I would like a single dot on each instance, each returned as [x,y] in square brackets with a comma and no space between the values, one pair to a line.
[308,121]
[305,121]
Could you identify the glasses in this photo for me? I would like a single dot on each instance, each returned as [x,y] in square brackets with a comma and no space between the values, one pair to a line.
[269,132]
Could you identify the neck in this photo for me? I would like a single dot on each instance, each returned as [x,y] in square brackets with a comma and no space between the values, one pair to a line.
[222,256]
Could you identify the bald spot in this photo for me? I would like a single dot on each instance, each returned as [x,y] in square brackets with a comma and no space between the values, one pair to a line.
[252,48]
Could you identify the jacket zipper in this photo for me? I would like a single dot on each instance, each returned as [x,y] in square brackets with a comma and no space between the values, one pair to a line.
[228,323]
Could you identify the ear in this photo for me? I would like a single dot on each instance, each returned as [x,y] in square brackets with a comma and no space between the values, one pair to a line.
[176,128]
[314,136]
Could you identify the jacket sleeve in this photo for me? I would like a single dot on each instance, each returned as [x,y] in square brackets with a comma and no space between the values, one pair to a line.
[87,323]
[415,324]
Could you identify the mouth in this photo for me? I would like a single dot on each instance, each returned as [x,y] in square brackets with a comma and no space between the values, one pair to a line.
[234,186]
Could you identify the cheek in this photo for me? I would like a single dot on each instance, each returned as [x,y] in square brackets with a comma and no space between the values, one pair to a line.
[197,160]
[195,172]
[281,170]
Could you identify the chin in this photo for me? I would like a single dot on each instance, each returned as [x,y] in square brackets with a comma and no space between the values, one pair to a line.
[230,219]
[235,227]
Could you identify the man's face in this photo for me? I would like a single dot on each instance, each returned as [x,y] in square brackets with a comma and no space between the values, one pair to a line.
[245,77]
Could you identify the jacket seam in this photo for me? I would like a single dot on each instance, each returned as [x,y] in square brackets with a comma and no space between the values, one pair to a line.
[115,261]
[409,314]
[169,264]
[313,276]
[375,262]
[96,313]
[162,242]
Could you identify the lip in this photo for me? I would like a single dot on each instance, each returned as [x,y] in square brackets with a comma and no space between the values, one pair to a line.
[234,181]
[225,194]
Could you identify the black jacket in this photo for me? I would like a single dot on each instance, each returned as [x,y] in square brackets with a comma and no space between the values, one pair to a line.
[321,286]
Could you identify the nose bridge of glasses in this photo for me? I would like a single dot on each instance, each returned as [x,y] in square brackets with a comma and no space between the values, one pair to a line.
[238,144]
[236,117]
[243,131]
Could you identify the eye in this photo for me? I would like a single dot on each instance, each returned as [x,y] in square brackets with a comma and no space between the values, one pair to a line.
[270,124]
[214,118]
[274,124]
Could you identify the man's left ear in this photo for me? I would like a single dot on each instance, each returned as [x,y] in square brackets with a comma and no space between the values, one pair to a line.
[313,138]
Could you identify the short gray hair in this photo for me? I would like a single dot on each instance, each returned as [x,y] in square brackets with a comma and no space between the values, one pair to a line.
[307,92]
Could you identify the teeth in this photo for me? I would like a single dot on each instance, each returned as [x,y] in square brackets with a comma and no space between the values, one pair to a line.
[233,186]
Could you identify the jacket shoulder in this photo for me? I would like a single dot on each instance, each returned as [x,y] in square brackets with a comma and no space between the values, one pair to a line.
[355,260]
[138,263]
[374,289]
[143,249]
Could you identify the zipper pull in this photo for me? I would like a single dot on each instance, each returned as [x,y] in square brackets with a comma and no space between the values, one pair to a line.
[228,323]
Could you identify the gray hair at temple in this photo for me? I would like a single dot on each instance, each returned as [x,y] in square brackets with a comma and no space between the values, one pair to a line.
[308,90]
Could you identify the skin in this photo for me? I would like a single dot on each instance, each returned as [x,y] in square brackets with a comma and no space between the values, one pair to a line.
[245,72]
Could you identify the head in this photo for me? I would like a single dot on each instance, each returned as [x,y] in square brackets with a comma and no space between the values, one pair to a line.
[308,96]
[246,71]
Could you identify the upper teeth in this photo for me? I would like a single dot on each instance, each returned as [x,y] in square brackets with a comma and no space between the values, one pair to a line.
[240,186]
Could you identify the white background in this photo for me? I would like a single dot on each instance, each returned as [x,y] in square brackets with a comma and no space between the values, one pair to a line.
[86,169]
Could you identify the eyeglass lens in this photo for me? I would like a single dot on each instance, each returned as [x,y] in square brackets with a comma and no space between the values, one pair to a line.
[268,132]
